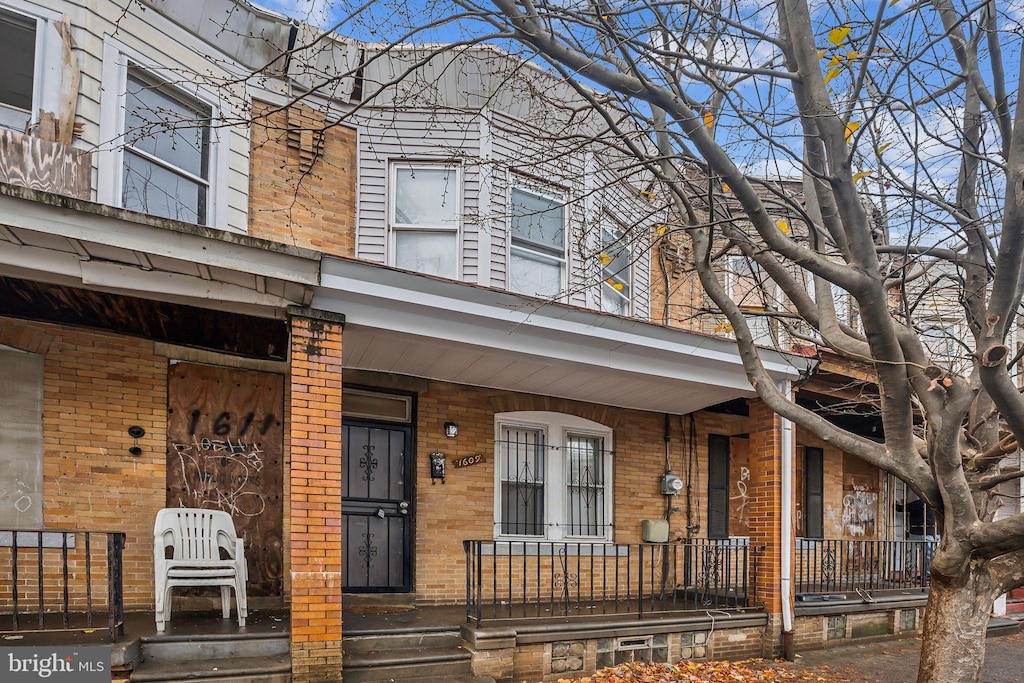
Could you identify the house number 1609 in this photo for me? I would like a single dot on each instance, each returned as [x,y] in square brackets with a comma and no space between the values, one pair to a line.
[468,460]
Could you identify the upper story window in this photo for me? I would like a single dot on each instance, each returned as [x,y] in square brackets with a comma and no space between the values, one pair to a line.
[553,477]
[163,155]
[537,254]
[425,201]
[166,152]
[616,270]
[29,52]
[753,291]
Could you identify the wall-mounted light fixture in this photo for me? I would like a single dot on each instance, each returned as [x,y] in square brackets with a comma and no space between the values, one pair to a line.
[136,432]
[451,430]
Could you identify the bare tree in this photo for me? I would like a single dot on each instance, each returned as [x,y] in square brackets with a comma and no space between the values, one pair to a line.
[899,121]
[865,159]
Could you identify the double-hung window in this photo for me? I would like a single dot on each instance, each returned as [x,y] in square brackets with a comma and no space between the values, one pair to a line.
[163,154]
[537,252]
[30,75]
[166,152]
[553,477]
[425,218]
[616,271]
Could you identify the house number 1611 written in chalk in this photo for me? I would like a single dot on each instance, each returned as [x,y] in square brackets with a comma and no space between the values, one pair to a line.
[468,460]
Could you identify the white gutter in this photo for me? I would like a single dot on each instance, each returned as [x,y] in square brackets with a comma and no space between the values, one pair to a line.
[787,447]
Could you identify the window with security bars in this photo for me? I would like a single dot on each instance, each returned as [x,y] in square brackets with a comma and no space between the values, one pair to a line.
[521,462]
[553,477]
[584,457]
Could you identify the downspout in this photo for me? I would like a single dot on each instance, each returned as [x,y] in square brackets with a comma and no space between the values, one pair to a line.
[786,568]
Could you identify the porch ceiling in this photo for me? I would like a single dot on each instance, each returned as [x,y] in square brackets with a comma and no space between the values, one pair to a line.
[410,324]
[61,241]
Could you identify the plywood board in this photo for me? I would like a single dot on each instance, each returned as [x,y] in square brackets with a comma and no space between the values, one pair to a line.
[21,440]
[225,440]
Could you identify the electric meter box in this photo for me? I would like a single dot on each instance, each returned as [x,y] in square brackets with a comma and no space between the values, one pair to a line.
[654,530]
[671,485]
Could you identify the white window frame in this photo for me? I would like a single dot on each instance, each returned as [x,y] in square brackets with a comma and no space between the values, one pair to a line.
[110,156]
[608,291]
[557,427]
[395,227]
[47,60]
[764,329]
[560,198]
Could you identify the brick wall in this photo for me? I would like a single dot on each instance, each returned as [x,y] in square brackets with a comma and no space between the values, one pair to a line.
[302,180]
[463,507]
[315,498]
[766,502]
[96,385]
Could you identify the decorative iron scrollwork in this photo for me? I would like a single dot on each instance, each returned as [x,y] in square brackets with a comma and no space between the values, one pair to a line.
[368,550]
[565,581]
[368,462]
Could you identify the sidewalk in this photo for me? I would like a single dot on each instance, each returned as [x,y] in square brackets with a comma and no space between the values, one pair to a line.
[895,661]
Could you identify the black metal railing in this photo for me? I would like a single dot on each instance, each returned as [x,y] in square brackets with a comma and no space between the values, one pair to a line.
[512,580]
[53,575]
[825,566]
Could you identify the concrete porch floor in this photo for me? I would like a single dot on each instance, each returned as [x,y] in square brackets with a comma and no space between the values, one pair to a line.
[262,622]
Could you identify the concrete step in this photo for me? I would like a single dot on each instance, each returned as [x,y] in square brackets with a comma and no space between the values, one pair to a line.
[406,664]
[188,648]
[270,669]
[384,642]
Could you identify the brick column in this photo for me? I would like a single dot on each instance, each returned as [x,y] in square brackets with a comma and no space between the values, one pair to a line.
[766,513]
[315,495]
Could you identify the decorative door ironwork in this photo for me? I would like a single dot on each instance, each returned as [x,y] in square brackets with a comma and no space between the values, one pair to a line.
[375,506]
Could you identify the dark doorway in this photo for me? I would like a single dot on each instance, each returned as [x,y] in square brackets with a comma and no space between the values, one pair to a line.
[376,507]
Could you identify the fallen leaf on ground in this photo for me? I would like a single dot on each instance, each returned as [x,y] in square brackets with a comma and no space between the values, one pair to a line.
[753,671]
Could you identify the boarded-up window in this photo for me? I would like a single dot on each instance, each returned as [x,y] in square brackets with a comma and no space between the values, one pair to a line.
[225,452]
[860,498]
[718,486]
[21,440]
[814,492]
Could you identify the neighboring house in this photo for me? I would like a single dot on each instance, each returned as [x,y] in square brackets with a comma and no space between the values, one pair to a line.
[410,355]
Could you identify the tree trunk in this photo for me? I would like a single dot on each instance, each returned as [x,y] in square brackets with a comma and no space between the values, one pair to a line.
[955,622]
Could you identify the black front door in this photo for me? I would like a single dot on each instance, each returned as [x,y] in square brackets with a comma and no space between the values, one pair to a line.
[376,505]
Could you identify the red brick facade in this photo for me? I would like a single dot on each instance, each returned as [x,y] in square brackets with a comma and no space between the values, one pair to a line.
[315,497]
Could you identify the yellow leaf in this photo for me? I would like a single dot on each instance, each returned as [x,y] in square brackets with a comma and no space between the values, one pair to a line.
[833,62]
[822,53]
[662,229]
[831,73]
[893,2]
[857,177]
[851,128]
[709,119]
[605,259]
[838,35]
[852,55]
[725,187]
[783,226]
[884,147]
[724,327]
[618,286]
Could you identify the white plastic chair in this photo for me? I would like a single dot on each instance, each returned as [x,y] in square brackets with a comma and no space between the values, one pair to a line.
[197,536]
